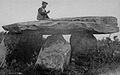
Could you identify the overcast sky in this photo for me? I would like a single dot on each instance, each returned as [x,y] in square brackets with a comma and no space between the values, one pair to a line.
[12,11]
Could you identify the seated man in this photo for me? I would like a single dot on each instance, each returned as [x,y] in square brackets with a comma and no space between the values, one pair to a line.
[42,14]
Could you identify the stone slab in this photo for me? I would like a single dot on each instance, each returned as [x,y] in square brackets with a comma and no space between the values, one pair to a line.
[94,24]
[55,53]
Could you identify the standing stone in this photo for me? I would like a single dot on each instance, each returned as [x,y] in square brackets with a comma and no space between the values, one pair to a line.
[55,53]
[23,47]
[3,53]
[81,43]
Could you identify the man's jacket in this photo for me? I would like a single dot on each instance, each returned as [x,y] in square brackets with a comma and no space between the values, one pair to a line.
[42,15]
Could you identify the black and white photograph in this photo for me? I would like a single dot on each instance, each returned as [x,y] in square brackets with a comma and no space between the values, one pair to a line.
[59,37]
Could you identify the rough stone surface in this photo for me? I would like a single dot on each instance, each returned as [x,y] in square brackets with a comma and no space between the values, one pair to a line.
[96,25]
[81,43]
[24,47]
[3,53]
[55,53]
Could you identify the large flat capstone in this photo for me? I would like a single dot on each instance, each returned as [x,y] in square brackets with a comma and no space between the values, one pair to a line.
[94,24]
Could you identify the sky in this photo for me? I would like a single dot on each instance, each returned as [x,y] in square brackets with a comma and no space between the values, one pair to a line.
[12,11]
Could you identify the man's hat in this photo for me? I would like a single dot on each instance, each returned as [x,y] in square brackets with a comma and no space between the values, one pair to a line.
[43,2]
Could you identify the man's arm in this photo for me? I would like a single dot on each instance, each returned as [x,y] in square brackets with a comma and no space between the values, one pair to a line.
[40,10]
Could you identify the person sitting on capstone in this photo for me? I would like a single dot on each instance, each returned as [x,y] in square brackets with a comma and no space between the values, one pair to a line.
[42,13]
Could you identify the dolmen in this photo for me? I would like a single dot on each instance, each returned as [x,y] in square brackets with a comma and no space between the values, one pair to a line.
[25,39]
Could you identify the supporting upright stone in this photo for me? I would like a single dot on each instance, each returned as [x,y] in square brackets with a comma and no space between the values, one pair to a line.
[3,52]
[55,53]
[24,47]
[81,43]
